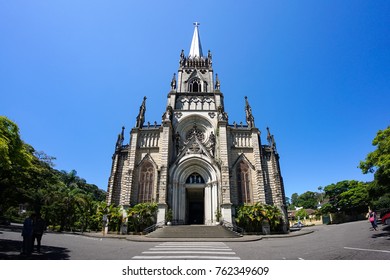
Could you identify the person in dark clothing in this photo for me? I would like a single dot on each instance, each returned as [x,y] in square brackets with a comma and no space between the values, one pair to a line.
[39,227]
[27,234]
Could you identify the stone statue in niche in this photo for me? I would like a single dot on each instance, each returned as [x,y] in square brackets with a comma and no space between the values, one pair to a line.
[177,142]
[217,82]
[222,115]
[173,82]
[167,116]
[212,144]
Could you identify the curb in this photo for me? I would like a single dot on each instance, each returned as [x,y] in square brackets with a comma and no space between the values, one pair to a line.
[245,238]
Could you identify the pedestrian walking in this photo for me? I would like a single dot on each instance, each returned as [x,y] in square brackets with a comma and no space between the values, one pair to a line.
[27,233]
[39,227]
[372,219]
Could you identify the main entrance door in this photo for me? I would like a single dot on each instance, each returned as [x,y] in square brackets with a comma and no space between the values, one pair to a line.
[195,205]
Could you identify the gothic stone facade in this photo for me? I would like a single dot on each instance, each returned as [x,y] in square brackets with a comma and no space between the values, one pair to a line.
[195,162]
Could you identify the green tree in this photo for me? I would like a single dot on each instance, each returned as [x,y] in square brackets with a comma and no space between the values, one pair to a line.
[97,218]
[251,216]
[378,161]
[35,186]
[301,213]
[346,196]
[86,211]
[273,215]
[70,199]
[13,152]
[15,160]
[28,177]
[355,200]
[294,199]
[308,200]
[115,217]
[141,216]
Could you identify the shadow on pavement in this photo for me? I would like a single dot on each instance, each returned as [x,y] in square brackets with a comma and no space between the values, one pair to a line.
[12,227]
[10,250]
[383,232]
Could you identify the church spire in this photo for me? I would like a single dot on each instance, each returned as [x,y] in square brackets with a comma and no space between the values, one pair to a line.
[196,46]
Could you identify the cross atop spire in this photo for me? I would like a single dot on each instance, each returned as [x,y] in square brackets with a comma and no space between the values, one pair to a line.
[196,46]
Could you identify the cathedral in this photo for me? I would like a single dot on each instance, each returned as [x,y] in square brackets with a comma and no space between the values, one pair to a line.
[195,163]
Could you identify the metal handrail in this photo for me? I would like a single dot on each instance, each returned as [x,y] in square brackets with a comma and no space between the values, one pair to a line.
[233,227]
[153,227]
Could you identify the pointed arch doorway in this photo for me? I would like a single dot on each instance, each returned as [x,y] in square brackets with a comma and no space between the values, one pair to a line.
[194,192]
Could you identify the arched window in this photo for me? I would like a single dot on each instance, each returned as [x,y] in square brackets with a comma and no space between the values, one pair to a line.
[243,183]
[146,183]
[195,86]
[195,178]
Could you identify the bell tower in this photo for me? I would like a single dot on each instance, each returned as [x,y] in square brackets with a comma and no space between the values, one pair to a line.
[195,77]
[199,128]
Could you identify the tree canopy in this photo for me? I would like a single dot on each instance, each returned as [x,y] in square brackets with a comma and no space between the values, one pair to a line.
[378,161]
[347,196]
[307,200]
[27,177]
[14,153]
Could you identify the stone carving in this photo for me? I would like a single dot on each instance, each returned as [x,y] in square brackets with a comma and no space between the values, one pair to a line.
[195,103]
[121,137]
[167,116]
[173,82]
[177,142]
[271,140]
[178,115]
[217,83]
[212,144]
[250,120]
[195,132]
[222,115]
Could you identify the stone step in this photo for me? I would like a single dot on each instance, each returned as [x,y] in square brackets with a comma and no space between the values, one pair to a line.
[193,231]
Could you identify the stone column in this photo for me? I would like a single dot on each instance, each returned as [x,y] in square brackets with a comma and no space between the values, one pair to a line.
[161,211]
[182,203]
[214,202]
[258,188]
[127,181]
[175,206]
[208,205]
[111,181]
[163,182]
[225,176]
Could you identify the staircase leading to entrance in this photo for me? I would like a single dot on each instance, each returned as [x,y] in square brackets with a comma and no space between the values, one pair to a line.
[193,231]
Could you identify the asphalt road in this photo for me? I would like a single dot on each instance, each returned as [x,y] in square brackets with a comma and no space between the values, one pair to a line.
[350,241]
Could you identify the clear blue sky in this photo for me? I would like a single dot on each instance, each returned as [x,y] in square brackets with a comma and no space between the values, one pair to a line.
[72,73]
